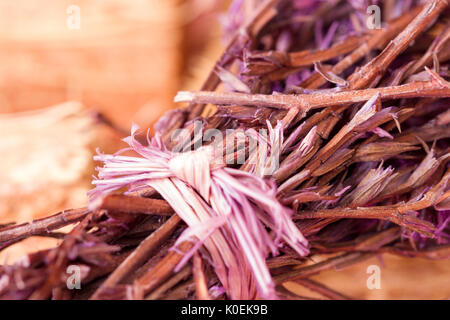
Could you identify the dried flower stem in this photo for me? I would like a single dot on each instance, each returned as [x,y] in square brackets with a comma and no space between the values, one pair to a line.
[377,66]
[201,287]
[40,226]
[162,270]
[183,290]
[60,260]
[367,74]
[372,243]
[170,283]
[391,213]
[295,60]
[441,41]
[134,204]
[321,289]
[319,99]
[334,262]
[264,13]
[139,255]
[285,294]
[307,58]
[378,39]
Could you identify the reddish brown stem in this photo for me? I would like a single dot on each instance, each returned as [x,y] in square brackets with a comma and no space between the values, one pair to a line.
[201,287]
[139,255]
[335,262]
[368,73]
[43,225]
[319,99]
[378,39]
[391,213]
[163,269]
[170,283]
[321,289]
[134,204]
[264,13]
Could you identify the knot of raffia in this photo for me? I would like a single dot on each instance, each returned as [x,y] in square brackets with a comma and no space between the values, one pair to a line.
[233,214]
[194,168]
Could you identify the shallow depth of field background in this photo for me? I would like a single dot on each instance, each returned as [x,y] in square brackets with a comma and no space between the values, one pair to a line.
[65,91]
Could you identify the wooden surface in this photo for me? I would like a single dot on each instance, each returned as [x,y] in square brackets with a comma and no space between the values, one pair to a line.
[400,278]
[124,60]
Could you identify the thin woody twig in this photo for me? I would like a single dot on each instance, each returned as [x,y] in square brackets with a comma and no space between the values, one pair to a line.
[391,213]
[372,242]
[134,204]
[201,287]
[366,75]
[334,262]
[319,99]
[321,289]
[294,60]
[138,256]
[377,39]
[162,269]
[41,226]
[60,260]
[264,13]
[170,283]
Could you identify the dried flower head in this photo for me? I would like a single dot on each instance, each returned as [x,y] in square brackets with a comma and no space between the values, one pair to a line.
[227,210]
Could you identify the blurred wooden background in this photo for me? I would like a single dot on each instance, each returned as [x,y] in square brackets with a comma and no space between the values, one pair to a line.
[124,55]
[127,61]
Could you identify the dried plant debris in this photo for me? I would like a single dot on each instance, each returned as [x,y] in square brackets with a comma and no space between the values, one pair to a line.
[354,163]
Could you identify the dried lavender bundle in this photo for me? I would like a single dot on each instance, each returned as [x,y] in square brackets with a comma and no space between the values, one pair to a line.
[355,163]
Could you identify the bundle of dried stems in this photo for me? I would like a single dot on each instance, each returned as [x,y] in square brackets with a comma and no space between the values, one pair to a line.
[358,120]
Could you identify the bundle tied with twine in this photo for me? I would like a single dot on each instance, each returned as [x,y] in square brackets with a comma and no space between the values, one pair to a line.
[358,124]
[227,210]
